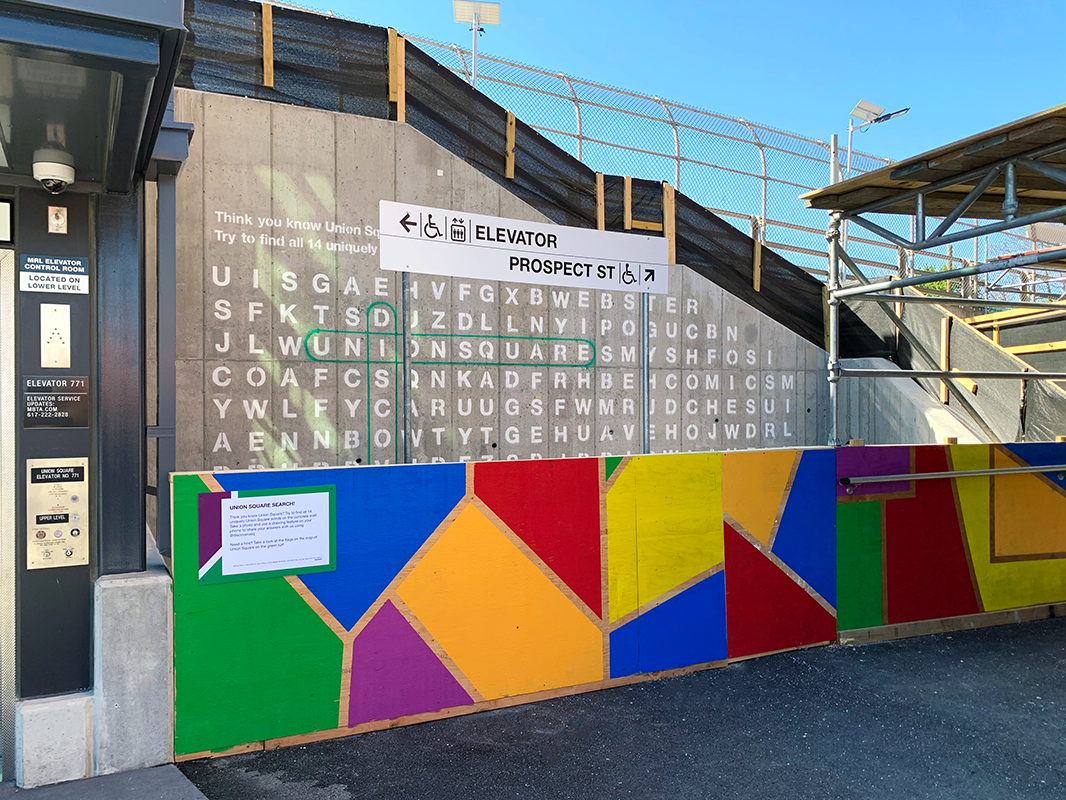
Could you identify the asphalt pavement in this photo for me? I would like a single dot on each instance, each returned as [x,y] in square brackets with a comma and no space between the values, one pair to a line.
[975,714]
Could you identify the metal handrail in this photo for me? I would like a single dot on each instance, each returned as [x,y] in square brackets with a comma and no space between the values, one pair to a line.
[971,374]
[970,473]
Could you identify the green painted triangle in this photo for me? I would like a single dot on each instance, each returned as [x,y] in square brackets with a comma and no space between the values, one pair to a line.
[611,464]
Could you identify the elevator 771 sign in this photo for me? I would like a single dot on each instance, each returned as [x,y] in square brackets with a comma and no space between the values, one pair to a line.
[437,241]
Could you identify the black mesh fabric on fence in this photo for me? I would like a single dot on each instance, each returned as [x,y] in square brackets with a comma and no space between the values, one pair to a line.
[338,65]
[474,130]
[320,62]
[724,255]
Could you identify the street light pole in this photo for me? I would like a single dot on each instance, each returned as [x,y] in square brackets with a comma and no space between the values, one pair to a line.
[473,60]
[871,115]
[477,14]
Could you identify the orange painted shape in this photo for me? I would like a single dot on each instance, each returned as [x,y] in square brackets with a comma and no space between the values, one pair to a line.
[753,489]
[1029,513]
[502,621]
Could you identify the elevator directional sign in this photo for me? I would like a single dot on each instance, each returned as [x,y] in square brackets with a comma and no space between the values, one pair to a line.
[439,241]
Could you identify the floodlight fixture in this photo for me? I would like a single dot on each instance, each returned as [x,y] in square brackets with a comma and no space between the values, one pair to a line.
[864,111]
[477,14]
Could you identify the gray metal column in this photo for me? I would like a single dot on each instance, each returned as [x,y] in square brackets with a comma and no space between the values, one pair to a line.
[166,353]
[120,444]
[8,484]
[833,237]
[645,368]
[405,309]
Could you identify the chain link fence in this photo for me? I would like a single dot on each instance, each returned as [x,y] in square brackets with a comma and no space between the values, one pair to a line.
[747,173]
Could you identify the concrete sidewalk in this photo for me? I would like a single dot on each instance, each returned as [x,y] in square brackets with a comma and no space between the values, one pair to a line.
[971,714]
[978,714]
[158,783]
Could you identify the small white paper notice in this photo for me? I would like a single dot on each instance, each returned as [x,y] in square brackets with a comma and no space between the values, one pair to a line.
[276,532]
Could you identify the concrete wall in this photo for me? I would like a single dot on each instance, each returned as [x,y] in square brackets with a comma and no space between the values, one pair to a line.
[253,286]
[258,387]
[896,410]
[126,722]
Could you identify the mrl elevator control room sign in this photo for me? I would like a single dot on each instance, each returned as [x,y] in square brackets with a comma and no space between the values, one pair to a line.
[59,274]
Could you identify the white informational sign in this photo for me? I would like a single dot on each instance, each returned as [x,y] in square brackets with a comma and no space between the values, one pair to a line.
[55,274]
[437,241]
[273,533]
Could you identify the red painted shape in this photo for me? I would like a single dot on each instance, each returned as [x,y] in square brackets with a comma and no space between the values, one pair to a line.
[765,609]
[554,507]
[927,574]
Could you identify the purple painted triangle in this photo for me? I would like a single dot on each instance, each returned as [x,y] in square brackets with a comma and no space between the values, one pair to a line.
[394,672]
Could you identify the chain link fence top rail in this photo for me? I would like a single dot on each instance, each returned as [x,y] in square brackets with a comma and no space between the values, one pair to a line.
[748,173]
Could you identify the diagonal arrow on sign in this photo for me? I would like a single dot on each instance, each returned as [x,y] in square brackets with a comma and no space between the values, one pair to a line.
[649,274]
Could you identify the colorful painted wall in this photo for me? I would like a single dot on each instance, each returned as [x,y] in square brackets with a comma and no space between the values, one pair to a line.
[463,587]
[459,587]
[930,549]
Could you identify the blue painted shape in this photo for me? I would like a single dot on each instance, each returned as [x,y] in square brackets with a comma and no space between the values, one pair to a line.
[1040,454]
[807,537]
[384,514]
[624,650]
[687,629]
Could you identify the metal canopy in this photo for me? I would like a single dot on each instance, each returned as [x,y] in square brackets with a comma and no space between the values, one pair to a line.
[90,76]
[946,174]
[1014,174]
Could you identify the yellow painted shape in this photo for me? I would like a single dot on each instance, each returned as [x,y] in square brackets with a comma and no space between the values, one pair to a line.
[1030,515]
[755,487]
[664,526]
[622,543]
[500,619]
[1002,585]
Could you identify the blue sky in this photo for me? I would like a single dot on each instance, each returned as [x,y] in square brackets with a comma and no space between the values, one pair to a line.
[961,65]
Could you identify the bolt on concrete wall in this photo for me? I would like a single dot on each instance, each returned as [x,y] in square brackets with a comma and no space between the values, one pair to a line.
[290,336]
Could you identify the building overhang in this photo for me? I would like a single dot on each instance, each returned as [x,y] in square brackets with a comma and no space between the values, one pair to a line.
[91,77]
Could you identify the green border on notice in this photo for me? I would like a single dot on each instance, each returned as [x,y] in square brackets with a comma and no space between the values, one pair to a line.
[215,575]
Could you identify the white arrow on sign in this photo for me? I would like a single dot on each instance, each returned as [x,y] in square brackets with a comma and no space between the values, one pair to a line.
[438,241]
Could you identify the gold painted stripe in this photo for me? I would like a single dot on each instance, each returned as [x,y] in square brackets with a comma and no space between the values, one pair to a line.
[781,565]
[438,650]
[346,683]
[784,498]
[211,482]
[617,471]
[408,567]
[538,562]
[316,606]
[658,601]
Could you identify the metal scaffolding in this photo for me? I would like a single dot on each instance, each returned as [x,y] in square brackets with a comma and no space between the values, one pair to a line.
[994,175]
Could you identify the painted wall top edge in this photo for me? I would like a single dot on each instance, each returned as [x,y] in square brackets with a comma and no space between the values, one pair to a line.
[522,460]
[634,455]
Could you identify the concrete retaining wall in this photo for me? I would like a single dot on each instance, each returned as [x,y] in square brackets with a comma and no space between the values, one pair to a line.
[722,375]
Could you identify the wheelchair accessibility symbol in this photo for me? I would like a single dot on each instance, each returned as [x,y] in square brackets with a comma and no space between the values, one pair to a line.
[430,229]
[628,276]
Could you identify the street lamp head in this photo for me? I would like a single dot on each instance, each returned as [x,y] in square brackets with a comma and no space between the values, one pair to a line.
[866,112]
[887,117]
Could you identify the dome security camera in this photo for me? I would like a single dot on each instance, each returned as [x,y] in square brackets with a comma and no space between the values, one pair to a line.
[54,168]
